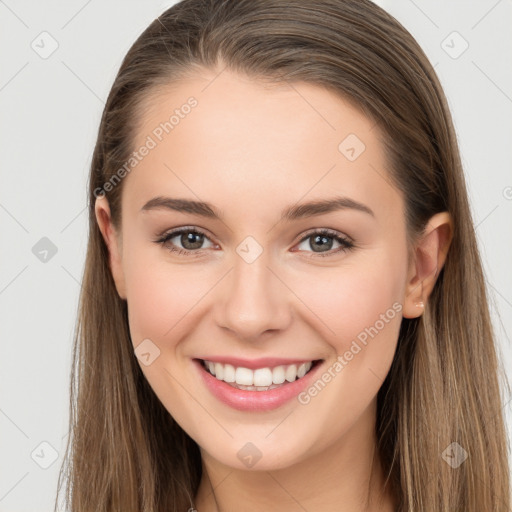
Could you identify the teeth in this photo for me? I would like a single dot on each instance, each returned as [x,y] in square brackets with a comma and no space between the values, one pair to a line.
[229,373]
[278,375]
[219,371]
[291,372]
[260,379]
[301,371]
[254,388]
[243,376]
[263,377]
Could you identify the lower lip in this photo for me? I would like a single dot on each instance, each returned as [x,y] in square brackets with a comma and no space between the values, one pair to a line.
[244,400]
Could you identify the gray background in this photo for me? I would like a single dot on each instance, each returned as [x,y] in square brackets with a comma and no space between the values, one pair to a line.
[50,112]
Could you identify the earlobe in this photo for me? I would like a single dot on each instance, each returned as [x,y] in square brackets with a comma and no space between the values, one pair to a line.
[429,256]
[112,241]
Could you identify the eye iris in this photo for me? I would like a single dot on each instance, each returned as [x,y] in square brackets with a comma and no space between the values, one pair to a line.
[322,244]
[196,239]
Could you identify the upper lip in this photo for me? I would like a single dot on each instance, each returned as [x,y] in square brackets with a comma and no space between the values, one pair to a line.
[253,364]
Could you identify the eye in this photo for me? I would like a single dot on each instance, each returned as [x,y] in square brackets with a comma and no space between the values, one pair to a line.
[190,239]
[322,240]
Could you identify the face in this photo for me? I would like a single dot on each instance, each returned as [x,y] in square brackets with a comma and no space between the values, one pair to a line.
[239,282]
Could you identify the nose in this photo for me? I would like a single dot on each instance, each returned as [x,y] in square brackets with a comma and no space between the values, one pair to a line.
[253,300]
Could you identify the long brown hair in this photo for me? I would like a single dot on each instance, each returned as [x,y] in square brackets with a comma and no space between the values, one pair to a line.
[125,451]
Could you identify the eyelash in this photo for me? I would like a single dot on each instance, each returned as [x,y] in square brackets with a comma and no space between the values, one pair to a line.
[346,244]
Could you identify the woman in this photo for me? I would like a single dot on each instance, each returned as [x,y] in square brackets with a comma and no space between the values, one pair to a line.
[224,359]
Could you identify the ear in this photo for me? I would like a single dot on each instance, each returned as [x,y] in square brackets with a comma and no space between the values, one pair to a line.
[428,258]
[113,241]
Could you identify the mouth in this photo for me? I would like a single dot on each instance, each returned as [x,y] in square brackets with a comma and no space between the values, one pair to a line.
[259,388]
[258,379]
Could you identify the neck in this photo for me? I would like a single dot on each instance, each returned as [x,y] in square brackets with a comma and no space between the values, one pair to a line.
[347,477]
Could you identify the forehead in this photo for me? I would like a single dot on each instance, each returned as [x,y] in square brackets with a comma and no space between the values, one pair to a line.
[224,135]
[247,107]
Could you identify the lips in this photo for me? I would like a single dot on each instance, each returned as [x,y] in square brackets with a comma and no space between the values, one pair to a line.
[252,398]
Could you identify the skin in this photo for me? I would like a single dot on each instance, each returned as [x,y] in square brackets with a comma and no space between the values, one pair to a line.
[252,149]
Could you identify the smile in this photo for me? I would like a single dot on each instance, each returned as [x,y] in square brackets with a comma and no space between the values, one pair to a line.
[258,389]
[260,379]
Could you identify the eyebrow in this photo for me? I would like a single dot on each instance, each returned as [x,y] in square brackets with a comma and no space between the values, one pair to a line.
[290,213]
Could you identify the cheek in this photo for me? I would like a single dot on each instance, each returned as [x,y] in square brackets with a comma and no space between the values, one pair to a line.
[161,296]
[355,296]
[359,316]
